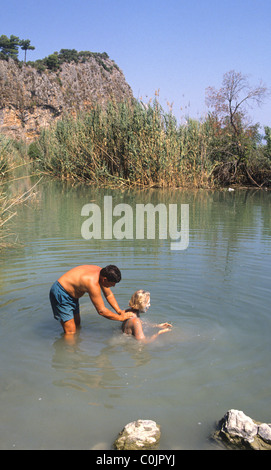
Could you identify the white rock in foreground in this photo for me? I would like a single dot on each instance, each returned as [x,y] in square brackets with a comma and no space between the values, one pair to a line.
[239,431]
[140,434]
[238,424]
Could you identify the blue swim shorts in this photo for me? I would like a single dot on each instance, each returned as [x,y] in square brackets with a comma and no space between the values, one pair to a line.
[63,304]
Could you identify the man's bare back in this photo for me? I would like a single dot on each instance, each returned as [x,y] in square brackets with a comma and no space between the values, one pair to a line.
[80,280]
[75,283]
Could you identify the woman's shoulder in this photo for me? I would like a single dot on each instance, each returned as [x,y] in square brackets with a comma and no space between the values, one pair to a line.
[130,323]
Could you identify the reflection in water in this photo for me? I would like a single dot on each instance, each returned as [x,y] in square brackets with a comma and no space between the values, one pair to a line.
[82,371]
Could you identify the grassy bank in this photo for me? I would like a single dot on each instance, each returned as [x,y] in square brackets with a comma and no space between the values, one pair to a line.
[144,146]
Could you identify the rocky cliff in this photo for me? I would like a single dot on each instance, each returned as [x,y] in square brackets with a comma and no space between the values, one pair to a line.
[31,99]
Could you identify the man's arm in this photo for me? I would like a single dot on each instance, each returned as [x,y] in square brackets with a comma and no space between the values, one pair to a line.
[111,299]
[97,300]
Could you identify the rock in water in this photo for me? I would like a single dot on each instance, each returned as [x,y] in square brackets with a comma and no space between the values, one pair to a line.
[139,435]
[239,431]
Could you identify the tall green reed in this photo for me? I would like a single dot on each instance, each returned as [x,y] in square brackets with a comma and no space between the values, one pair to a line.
[12,158]
[138,145]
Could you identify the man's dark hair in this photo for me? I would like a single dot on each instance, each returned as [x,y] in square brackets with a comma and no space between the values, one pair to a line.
[112,273]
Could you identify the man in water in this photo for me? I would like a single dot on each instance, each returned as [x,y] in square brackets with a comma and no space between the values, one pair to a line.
[72,285]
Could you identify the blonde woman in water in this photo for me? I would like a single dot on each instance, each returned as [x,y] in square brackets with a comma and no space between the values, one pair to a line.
[140,303]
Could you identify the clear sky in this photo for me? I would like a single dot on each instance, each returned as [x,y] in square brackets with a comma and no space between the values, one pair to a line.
[179,47]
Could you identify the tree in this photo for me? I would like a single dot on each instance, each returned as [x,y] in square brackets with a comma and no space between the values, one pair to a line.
[9,47]
[4,44]
[238,137]
[231,101]
[52,62]
[68,55]
[25,46]
[267,137]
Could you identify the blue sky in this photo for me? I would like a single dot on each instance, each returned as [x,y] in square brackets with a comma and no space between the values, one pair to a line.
[179,47]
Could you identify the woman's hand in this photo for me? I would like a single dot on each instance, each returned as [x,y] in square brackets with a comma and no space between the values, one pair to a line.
[163,331]
[165,325]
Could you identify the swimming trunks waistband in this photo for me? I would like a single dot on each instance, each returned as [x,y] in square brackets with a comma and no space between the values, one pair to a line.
[64,290]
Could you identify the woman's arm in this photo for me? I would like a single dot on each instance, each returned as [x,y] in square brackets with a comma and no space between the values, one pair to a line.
[138,332]
[158,325]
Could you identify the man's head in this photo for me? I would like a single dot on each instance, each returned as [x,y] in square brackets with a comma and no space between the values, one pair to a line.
[110,275]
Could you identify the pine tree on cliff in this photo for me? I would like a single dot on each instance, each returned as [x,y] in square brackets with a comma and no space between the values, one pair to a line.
[9,47]
[25,46]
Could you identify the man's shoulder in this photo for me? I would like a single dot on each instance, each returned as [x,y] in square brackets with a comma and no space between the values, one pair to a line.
[90,269]
[90,279]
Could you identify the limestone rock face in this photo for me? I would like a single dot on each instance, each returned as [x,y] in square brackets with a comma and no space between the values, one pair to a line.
[239,431]
[139,435]
[30,99]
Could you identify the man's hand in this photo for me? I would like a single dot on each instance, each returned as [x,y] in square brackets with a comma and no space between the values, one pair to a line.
[125,315]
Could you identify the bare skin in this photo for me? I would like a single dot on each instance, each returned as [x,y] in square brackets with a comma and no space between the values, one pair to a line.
[133,326]
[87,279]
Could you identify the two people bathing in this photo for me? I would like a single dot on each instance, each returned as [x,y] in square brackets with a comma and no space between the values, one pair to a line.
[93,280]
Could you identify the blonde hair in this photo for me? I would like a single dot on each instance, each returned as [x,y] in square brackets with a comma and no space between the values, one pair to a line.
[139,299]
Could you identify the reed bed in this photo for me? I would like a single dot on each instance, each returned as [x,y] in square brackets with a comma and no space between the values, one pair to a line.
[142,145]
[124,145]
[11,159]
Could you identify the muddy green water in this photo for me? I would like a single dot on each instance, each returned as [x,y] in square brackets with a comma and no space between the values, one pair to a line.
[55,395]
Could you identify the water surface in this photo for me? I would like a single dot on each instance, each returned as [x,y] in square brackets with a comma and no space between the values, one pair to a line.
[55,395]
